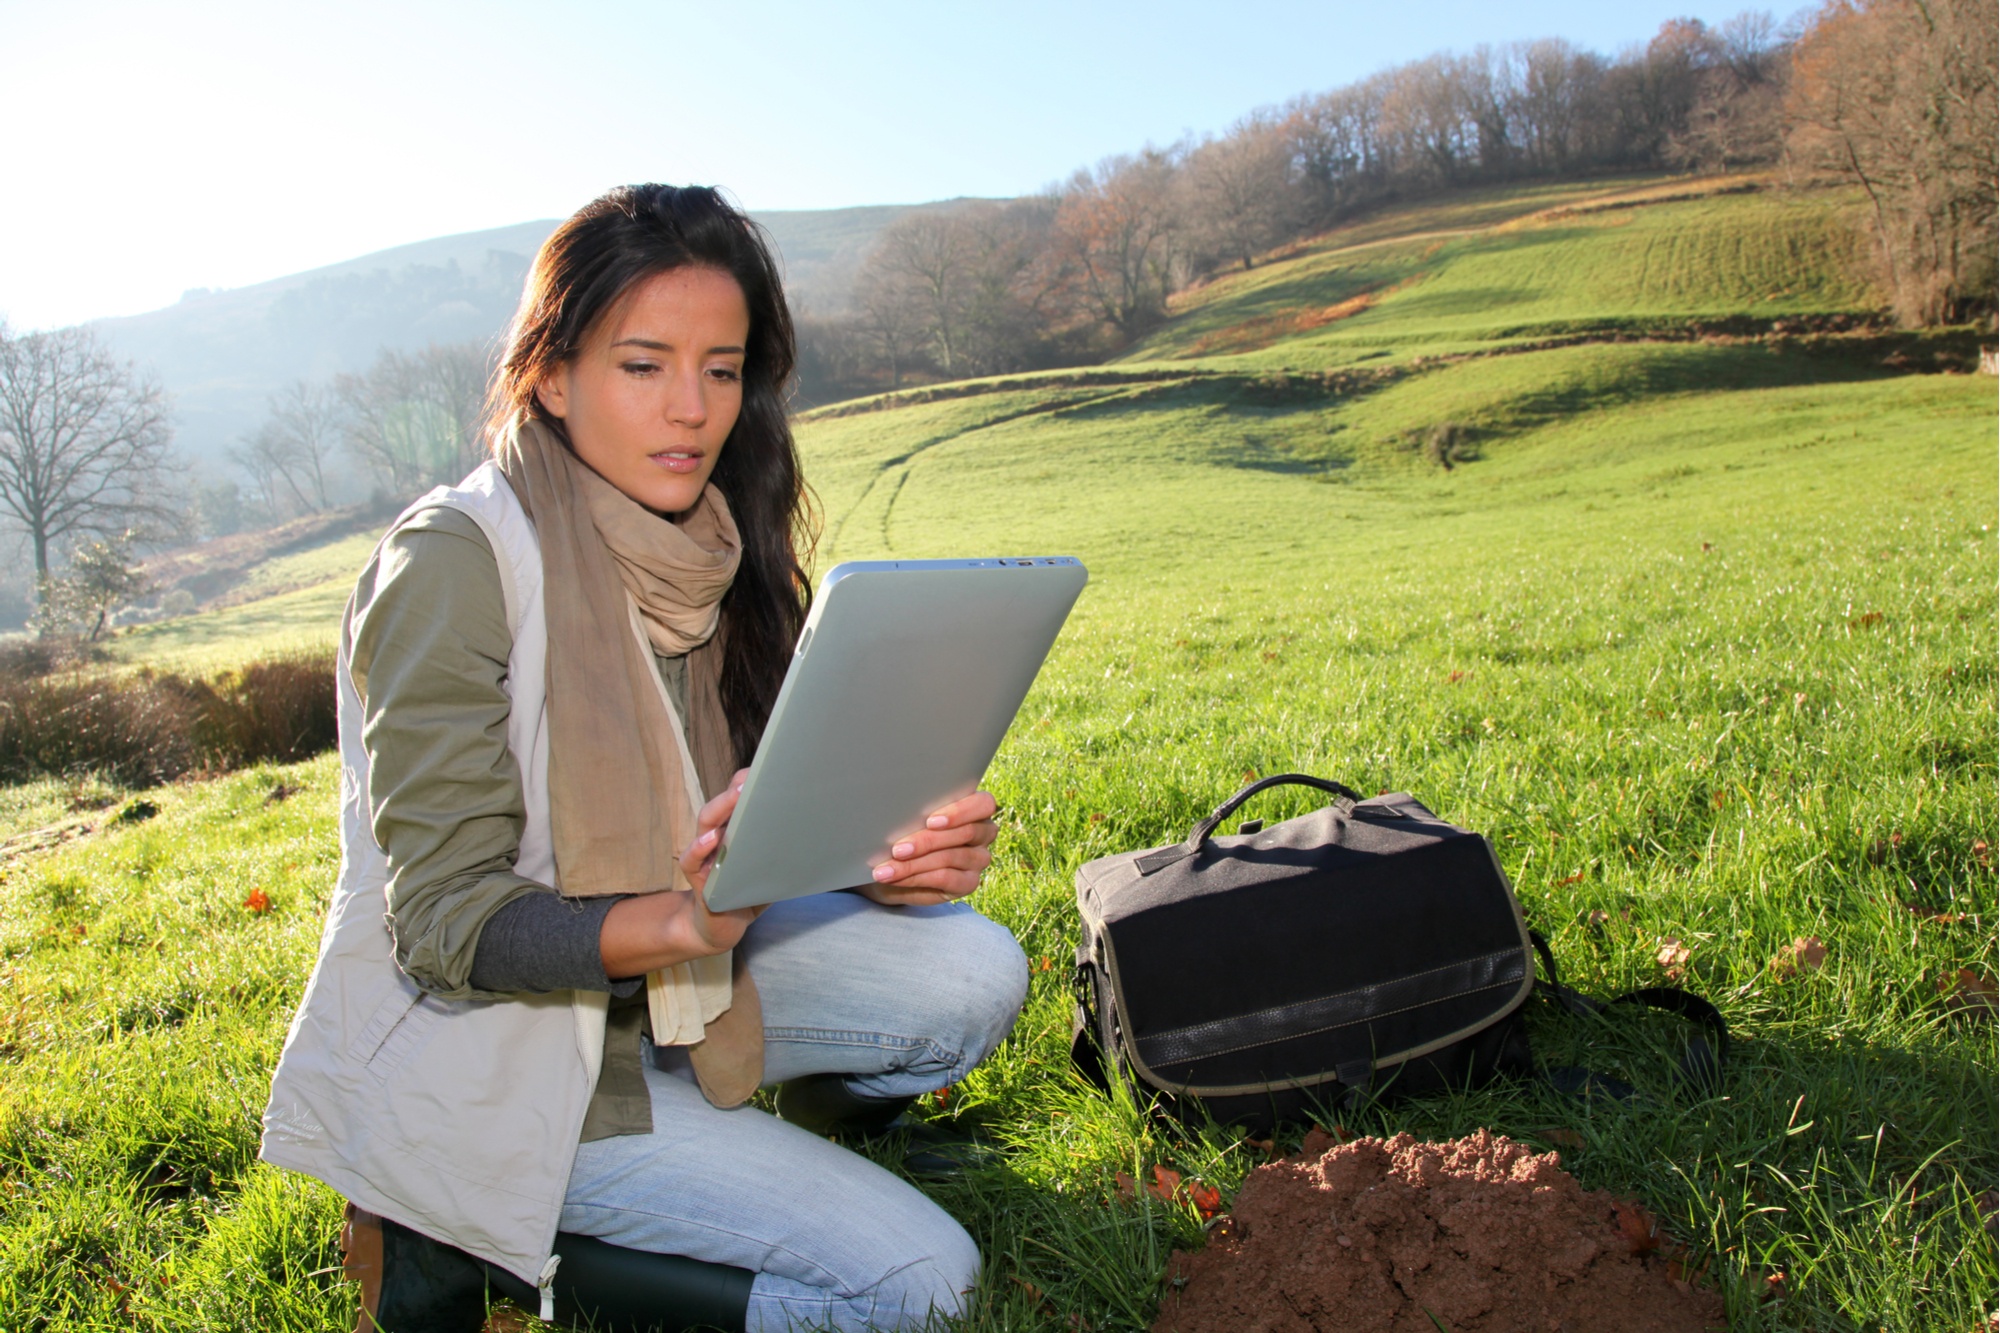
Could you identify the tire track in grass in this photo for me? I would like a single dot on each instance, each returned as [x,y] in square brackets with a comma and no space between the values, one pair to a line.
[900,465]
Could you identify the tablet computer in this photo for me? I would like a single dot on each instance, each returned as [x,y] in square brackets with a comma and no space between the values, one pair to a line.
[906,677]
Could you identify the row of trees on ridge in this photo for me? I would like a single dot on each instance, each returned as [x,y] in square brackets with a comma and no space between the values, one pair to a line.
[1896,95]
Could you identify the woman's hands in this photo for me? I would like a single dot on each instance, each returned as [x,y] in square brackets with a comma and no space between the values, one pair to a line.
[657,930]
[938,863]
[941,861]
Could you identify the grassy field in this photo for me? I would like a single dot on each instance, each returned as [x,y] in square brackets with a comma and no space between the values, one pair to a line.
[1452,276]
[1703,635]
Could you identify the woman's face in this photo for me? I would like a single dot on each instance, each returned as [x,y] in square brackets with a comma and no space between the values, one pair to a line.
[657,387]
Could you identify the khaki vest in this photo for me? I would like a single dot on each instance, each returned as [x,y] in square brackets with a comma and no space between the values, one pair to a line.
[457,1118]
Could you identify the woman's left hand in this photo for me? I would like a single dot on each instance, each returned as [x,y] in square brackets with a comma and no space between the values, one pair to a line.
[941,861]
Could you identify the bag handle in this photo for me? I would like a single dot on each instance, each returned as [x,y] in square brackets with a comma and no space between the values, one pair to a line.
[1205,829]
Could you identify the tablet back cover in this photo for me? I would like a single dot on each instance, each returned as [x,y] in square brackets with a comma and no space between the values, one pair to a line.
[906,678]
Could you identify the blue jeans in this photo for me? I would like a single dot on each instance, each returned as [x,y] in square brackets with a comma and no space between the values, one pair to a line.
[904,1000]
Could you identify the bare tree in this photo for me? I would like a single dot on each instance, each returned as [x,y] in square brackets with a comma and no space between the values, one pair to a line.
[1898,97]
[83,438]
[1241,200]
[417,418]
[1118,235]
[929,254]
[305,425]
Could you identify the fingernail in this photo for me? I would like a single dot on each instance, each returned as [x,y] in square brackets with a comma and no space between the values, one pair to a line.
[903,849]
[707,837]
[884,872]
[936,821]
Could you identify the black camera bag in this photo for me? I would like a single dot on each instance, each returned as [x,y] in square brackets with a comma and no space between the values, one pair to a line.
[1368,949]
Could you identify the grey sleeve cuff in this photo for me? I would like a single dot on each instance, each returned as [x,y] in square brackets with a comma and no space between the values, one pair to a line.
[546,942]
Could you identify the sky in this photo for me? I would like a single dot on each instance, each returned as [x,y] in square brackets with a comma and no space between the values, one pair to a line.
[159,147]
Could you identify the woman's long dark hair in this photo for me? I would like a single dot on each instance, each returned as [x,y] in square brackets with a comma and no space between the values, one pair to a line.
[624,237]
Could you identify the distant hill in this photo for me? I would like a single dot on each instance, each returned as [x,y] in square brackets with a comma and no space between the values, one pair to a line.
[222,353]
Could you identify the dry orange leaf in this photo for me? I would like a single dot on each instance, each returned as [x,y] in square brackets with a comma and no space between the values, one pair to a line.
[1166,1181]
[1128,1188]
[1562,1138]
[1804,954]
[1636,1227]
[1207,1200]
[1965,991]
[258,901]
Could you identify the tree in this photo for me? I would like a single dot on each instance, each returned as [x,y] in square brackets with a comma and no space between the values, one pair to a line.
[416,419]
[83,439]
[1241,198]
[288,456]
[1117,234]
[1898,97]
[304,426]
[102,576]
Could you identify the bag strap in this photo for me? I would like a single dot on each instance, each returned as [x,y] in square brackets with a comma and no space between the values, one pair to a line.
[1701,1063]
[1163,857]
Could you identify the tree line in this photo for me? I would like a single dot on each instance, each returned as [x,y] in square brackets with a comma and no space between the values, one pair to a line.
[1895,95]
[410,421]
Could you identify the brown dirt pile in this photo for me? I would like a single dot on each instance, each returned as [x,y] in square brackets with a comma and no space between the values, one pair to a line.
[1483,1233]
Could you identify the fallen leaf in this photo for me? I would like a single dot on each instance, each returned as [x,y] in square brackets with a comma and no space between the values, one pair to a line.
[258,901]
[1128,1188]
[1865,619]
[1966,992]
[1597,920]
[1636,1227]
[1454,678]
[1774,1285]
[1249,775]
[1207,1199]
[1029,1287]
[1710,546]
[1568,880]
[1166,1182]
[1268,1147]
[1982,854]
[1097,819]
[1672,956]
[1804,954]
[1046,963]
[1562,1138]
[1320,1140]
[942,1097]
[282,791]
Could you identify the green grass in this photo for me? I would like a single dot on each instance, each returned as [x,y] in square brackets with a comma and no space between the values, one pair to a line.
[1705,638]
[1441,286]
[301,620]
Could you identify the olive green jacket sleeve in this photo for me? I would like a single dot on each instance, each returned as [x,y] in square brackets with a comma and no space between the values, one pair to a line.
[429,649]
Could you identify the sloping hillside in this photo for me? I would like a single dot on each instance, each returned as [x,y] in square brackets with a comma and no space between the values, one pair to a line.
[1647,258]
[1612,529]
[223,353]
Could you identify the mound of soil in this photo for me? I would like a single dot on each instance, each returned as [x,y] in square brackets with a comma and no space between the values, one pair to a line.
[1479,1235]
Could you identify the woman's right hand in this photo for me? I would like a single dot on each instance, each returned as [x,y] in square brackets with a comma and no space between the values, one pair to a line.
[657,930]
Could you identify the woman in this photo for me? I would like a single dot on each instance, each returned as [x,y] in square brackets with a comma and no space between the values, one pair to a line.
[542,672]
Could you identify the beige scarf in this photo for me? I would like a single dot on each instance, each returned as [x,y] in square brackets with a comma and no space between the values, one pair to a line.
[623,792]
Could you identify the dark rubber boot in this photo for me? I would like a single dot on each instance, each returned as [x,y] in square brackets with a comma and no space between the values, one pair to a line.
[420,1285]
[824,1104]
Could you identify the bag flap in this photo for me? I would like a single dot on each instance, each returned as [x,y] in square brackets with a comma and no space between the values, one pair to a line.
[1268,959]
